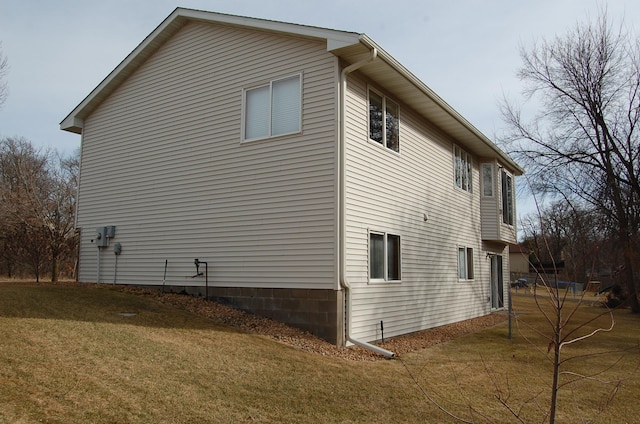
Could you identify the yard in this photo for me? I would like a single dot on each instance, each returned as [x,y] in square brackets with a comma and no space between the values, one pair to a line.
[97,354]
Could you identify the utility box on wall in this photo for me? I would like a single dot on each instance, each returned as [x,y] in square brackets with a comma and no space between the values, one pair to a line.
[101,237]
[103,234]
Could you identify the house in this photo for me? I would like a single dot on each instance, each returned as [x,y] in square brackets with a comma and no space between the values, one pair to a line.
[297,172]
[519,261]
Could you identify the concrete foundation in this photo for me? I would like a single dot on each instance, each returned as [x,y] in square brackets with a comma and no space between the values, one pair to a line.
[317,311]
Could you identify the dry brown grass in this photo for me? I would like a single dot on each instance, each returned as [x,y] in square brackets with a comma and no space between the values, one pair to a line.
[68,354]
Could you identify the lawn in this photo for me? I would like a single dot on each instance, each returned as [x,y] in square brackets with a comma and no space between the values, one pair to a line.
[73,354]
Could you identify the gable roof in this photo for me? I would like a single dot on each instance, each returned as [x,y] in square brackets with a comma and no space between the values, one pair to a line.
[349,46]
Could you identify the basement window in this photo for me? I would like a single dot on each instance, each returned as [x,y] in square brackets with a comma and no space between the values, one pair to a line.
[465,263]
[384,257]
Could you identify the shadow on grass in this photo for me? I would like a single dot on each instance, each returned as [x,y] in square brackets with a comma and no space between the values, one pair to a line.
[95,303]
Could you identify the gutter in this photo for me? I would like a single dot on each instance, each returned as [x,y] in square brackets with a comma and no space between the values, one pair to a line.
[344,284]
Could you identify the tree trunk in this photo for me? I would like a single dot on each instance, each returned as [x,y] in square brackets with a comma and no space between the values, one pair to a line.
[54,266]
[628,276]
[556,382]
[556,362]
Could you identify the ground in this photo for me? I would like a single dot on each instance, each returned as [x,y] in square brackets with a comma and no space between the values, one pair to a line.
[308,342]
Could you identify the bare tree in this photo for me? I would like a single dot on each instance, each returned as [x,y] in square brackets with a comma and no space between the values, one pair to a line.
[37,193]
[4,70]
[568,236]
[59,210]
[584,144]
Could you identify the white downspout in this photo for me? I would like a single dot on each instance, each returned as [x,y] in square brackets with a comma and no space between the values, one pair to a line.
[342,199]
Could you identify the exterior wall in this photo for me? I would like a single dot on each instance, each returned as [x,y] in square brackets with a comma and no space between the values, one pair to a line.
[507,233]
[490,206]
[317,311]
[493,227]
[392,192]
[162,160]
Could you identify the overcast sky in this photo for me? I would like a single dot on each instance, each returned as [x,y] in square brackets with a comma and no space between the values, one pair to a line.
[467,51]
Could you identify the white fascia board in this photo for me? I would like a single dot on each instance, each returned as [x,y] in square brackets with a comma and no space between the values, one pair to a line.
[74,121]
[335,39]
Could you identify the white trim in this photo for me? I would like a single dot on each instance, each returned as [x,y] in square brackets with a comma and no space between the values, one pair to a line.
[468,161]
[384,99]
[513,198]
[466,250]
[482,179]
[385,272]
[269,83]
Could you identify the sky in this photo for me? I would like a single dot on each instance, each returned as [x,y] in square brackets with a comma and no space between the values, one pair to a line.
[467,51]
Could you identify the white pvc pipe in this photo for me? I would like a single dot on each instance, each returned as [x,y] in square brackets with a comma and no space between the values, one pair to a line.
[342,199]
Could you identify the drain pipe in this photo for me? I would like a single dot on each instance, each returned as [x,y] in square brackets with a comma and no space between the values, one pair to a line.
[342,199]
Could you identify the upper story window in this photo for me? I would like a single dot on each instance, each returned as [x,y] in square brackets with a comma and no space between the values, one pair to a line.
[508,209]
[273,109]
[463,169]
[487,179]
[384,124]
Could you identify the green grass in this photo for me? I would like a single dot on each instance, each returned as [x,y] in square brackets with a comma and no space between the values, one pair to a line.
[68,355]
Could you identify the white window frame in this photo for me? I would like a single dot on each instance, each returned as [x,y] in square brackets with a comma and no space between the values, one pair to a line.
[508,197]
[466,266]
[462,169]
[487,186]
[270,108]
[385,100]
[386,254]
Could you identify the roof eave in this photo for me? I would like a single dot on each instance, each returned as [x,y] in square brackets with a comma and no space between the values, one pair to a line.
[444,106]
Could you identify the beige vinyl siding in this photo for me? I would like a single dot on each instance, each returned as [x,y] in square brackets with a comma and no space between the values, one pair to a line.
[162,159]
[490,206]
[493,227]
[392,192]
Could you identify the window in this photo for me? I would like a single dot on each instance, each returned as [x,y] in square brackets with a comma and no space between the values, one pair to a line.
[487,180]
[465,263]
[507,198]
[463,169]
[384,257]
[273,109]
[384,125]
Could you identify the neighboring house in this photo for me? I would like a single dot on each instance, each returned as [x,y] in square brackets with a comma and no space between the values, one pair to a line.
[323,184]
[519,261]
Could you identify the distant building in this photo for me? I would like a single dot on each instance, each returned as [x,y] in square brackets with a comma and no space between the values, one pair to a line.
[518,260]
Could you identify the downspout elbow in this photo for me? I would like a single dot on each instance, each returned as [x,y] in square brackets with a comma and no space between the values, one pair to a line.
[384,352]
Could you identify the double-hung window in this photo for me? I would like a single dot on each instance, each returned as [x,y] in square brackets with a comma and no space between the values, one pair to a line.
[384,257]
[462,169]
[273,109]
[384,123]
[465,263]
[507,198]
